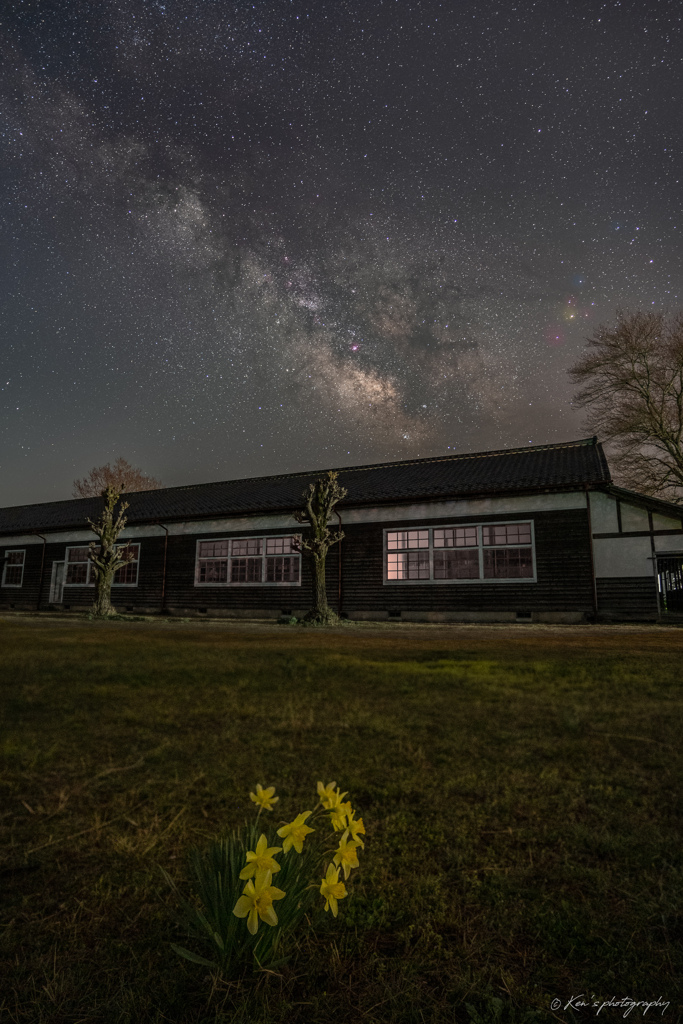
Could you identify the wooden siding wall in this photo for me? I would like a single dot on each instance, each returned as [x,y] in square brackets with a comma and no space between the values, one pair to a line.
[562,560]
[25,596]
[563,569]
[627,597]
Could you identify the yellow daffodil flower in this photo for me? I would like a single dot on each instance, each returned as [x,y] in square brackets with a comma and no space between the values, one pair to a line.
[329,796]
[261,859]
[356,827]
[326,794]
[257,901]
[332,889]
[264,797]
[346,856]
[338,818]
[295,833]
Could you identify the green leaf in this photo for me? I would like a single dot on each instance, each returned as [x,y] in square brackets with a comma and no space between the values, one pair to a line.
[193,957]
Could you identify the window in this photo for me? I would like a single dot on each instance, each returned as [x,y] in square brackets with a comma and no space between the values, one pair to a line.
[212,561]
[508,533]
[248,560]
[80,571]
[496,551]
[13,572]
[456,565]
[127,576]
[408,555]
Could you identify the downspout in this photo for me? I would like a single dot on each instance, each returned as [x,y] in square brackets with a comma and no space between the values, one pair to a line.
[339,567]
[42,567]
[163,575]
[590,537]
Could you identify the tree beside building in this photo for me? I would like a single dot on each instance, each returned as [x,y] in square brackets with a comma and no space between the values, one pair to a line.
[108,557]
[122,476]
[631,381]
[320,500]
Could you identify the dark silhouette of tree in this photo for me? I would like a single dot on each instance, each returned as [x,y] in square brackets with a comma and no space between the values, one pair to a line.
[320,499]
[108,556]
[121,475]
[631,381]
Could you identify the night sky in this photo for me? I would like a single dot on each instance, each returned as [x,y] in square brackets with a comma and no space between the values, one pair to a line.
[241,239]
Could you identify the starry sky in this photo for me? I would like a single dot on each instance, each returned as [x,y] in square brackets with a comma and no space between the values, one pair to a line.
[250,238]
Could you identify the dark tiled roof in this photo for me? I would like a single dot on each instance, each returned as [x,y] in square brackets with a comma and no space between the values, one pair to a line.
[544,467]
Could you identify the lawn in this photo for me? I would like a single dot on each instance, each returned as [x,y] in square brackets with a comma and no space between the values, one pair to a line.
[520,789]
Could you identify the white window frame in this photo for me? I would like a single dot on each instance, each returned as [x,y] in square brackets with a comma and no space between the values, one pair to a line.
[130,544]
[482,581]
[263,582]
[6,566]
[91,577]
[75,547]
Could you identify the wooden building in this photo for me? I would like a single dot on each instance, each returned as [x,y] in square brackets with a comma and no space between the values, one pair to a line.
[534,534]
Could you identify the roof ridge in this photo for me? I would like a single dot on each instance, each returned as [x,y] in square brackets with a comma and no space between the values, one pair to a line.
[342,469]
[385,465]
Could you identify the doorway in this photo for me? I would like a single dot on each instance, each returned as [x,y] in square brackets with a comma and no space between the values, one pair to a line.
[57,583]
[670,584]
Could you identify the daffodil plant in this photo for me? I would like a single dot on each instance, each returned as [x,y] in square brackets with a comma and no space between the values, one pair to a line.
[235,914]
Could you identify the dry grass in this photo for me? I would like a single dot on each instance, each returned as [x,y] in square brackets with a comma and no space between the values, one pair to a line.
[520,786]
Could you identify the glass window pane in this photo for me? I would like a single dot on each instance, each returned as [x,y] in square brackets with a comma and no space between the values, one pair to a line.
[245,570]
[456,537]
[282,570]
[456,565]
[248,546]
[13,575]
[78,555]
[508,533]
[508,563]
[77,573]
[279,545]
[408,565]
[402,539]
[213,571]
[15,557]
[214,548]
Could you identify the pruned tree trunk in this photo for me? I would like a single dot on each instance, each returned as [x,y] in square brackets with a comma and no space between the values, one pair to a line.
[321,612]
[107,557]
[320,499]
[102,607]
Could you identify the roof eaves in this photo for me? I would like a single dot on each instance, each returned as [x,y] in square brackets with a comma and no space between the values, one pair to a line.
[665,508]
[376,501]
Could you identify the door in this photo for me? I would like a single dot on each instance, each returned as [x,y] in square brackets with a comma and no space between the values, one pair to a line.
[670,583]
[57,583]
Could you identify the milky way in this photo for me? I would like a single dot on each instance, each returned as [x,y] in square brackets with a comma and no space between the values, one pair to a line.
[244,239]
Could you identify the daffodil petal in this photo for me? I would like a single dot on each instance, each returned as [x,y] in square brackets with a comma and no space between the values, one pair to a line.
[269,916]
[243,906]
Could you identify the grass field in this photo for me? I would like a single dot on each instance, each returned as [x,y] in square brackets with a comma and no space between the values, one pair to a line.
[521,790]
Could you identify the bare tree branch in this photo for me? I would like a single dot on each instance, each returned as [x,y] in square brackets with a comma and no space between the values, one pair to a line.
[122,476]
[631,383]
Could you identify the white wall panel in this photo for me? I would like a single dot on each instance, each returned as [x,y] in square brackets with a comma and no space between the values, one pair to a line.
[669,543]
[603,513]
[622,556]
[664,523]
[633,518]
